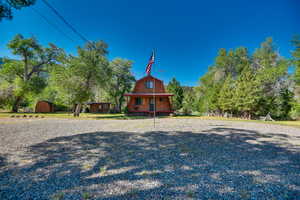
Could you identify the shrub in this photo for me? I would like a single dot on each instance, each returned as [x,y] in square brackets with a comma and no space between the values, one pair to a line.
[126,110]
[295,112]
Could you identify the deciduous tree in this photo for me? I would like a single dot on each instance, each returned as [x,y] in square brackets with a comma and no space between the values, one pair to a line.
[78,74]
[120,82]
[6,7]
[26,74]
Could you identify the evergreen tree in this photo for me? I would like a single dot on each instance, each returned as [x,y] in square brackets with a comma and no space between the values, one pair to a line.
[246,94]
[271,73]
[189,103]
[296,63]
[296,58]
[175,88]
[225,100]
[284,103]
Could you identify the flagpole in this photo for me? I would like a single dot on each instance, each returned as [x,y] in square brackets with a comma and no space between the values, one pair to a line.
[154,100]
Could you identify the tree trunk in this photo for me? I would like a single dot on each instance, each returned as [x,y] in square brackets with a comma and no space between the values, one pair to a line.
[77,110]
[16,103]
[25,68]
[120,103]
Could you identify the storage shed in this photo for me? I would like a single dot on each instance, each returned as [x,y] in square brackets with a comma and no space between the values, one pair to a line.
[99,107]
[44,107]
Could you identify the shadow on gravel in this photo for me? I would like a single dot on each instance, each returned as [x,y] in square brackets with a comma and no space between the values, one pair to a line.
[219,163]
[2,160]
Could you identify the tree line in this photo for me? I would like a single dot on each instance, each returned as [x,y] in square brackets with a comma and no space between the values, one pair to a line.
[238,83]
[48,73]
[246,85]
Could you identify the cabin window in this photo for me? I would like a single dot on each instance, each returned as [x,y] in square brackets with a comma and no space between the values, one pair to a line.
[138,101]
[161,99]
[149,84]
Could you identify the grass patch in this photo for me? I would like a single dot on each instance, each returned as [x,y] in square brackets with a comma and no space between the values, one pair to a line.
[190,194]
[103,171]
[120,116]
[87,166]
[58,196]
[68,115]
[86,195]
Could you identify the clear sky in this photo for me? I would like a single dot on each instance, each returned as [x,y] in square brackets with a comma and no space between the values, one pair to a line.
[186,34]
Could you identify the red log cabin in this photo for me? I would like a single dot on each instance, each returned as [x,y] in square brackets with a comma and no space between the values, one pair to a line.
[149,95]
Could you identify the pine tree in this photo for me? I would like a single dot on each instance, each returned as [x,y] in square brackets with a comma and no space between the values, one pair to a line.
[296,58]
[284,103]
[175,88]
[247,93]
[226,95]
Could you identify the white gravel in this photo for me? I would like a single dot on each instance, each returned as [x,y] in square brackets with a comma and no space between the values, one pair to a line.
[130,159]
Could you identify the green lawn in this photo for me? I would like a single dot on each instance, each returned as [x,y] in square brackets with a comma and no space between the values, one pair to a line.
[122,116]
[67,115]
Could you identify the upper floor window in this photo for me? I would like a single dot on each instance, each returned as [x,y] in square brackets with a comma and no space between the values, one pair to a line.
[149,84]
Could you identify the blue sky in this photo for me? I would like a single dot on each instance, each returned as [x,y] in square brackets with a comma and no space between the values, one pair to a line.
[186,34]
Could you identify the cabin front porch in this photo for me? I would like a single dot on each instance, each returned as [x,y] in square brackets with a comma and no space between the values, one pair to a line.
[147,105]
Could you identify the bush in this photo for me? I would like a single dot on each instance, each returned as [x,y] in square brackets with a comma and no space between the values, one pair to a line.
[126,110]
[295,112]
[184,111]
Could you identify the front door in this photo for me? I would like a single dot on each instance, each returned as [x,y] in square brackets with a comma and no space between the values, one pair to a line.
[151,104]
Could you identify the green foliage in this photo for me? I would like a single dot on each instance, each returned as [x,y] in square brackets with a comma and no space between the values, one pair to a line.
[121,81]
[6,94]
[246,85]
[175,88]
[284,103]
[296,58]
[6,7]
[27,75]
[126,110]
[226,95]
[295,111]
[189,104]
[246,93]
[76,76]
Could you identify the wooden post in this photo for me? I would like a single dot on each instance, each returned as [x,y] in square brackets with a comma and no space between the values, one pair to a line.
[154,102]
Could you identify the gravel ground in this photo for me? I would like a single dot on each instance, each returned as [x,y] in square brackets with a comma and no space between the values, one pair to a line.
[129,159]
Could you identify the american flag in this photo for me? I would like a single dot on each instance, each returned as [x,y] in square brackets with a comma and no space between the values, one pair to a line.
[151,61]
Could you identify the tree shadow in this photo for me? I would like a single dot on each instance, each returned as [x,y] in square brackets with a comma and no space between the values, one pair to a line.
[218,163]
[2,160]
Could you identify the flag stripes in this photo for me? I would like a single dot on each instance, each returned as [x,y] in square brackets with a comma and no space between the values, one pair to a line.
[150,63]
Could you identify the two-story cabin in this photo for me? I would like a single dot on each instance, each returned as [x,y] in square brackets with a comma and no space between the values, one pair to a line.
[149,96]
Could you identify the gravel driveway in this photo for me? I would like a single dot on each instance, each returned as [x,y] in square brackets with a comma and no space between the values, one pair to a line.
[129,159]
